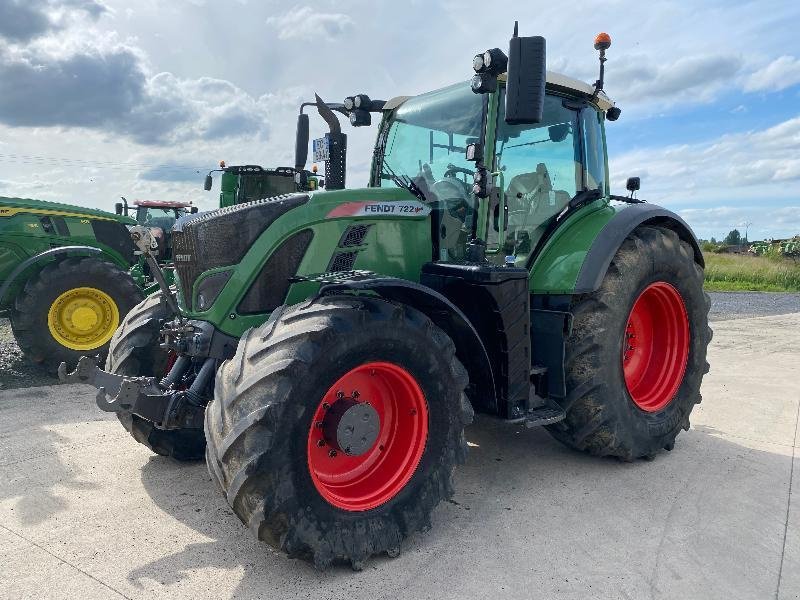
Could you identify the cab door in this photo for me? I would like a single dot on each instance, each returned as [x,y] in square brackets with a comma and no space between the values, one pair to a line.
[540,168]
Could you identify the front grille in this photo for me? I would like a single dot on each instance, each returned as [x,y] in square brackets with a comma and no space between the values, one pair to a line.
[222,237]
[269,289]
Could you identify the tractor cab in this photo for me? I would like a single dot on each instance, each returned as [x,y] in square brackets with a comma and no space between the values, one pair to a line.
[246,183]
[159,216]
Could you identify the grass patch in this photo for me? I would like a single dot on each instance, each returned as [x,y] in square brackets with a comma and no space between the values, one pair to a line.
[747,273]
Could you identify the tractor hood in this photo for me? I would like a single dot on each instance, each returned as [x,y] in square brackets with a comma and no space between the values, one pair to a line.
[12,206]
[222,237]
[370,202]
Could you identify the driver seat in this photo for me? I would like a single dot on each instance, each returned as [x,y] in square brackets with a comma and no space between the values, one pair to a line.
[532,201]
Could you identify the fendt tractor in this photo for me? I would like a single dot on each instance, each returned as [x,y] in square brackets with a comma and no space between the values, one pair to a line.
[64,280]
[325,351]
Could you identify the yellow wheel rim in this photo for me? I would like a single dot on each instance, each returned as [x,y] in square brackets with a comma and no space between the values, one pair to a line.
[83,318]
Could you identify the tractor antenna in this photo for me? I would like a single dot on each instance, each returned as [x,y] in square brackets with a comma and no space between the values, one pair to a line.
[602,42]
[516,28]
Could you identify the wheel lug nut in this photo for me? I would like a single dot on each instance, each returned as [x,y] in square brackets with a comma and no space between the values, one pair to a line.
[325,406]
[355,394]
[320,443]
[340,394]
[413,411]
[332,453]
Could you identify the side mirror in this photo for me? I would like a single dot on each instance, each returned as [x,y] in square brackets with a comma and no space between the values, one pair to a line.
[558,133]
[194,210]
[526,78]
[118,208]
[301,142]
[633,184]
[208,183]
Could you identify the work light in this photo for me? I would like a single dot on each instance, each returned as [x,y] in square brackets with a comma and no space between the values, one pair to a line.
[480,183]
[362,101]
[360,118]
[484,83]
[495,61]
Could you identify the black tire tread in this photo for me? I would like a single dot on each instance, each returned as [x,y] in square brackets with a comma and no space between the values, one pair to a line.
[135,351]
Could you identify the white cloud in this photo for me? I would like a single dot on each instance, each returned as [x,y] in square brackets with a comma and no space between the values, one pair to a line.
[781,73]
[696,77]
[744,159]
[307,23]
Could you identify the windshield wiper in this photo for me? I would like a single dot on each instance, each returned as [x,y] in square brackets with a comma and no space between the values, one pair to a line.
[405,182]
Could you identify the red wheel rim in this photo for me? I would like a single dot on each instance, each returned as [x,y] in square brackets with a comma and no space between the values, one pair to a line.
[656,346]
[357,483]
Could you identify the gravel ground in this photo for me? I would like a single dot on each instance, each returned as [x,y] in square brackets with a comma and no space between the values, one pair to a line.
[741,305]
[16,372]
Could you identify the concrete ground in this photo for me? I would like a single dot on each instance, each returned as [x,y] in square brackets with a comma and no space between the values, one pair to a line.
[85,512]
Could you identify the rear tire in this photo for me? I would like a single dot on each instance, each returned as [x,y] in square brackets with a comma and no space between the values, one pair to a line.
[261,435]
[135,351]
[70,309]
[609,412]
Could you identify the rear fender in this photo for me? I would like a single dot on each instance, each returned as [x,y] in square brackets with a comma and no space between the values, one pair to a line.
[576,257]
[611,236]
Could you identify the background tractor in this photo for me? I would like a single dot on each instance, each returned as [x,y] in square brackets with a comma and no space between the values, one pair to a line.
[325,351]
[64,279]
[159,216]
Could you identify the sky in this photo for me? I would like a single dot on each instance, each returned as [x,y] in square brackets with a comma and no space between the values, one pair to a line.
[106,98]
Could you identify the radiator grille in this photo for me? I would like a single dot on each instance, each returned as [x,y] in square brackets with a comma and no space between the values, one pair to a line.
[269,289]
[222,237]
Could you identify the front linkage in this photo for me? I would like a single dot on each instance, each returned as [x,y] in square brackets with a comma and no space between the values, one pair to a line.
[177,400]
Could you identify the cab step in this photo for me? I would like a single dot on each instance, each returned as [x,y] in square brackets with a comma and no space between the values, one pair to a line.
[546,414]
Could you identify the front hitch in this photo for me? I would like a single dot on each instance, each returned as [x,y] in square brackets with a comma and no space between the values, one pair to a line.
[142,396]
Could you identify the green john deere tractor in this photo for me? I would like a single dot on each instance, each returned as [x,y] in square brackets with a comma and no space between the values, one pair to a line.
[325,351]
[64,279]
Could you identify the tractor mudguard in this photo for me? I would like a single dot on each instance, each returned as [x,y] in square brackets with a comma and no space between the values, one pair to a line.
[576,258]
[470,349]
[44,257]
[611,236]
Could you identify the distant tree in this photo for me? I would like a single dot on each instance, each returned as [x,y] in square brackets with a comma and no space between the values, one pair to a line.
[713,240]
[734,238]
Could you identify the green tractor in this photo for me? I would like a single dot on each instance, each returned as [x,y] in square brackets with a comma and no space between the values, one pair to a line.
[64,281]
[325,351]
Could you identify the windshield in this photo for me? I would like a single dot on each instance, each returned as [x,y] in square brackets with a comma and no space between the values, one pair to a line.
[425,142]
[157,217]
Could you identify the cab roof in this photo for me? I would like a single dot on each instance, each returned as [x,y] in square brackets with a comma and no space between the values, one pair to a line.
[556,81]
[162,204]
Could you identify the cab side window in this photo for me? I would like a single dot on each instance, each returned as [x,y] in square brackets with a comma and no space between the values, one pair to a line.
[595,150]
[542,171]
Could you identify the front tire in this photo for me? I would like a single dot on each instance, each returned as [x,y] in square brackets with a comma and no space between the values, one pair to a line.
[135,351]
[636,355]
[270,446]
[71,308]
